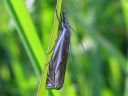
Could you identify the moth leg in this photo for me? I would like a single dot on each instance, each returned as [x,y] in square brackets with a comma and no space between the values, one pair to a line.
[49,83]
[50,50]
[46,66]
[58,17]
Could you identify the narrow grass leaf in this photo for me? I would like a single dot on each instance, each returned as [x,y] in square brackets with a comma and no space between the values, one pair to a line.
[27,33]
[42,91]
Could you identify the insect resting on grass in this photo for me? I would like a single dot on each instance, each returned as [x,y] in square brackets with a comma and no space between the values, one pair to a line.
[57,65]
[58,61]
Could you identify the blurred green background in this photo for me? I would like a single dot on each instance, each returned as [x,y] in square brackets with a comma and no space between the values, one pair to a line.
[100,71]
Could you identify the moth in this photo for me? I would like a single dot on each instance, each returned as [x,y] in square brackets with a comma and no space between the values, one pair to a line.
[57,66]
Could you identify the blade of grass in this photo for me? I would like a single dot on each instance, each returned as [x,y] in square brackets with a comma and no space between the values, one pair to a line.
[126,80]
[125,10]
[27,33]
[16,66]
[42,91]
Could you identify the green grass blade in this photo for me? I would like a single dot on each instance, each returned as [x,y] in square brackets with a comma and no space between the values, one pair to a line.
[125,9]
[27,33]
[17,67]
[42,91]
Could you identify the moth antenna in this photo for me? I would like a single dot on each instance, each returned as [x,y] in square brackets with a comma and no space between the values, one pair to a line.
[77,38]
[70,55]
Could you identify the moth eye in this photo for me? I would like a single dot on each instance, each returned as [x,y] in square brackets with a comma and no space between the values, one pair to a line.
[56,86]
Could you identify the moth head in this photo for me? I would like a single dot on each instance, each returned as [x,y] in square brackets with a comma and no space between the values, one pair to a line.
[58,86]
